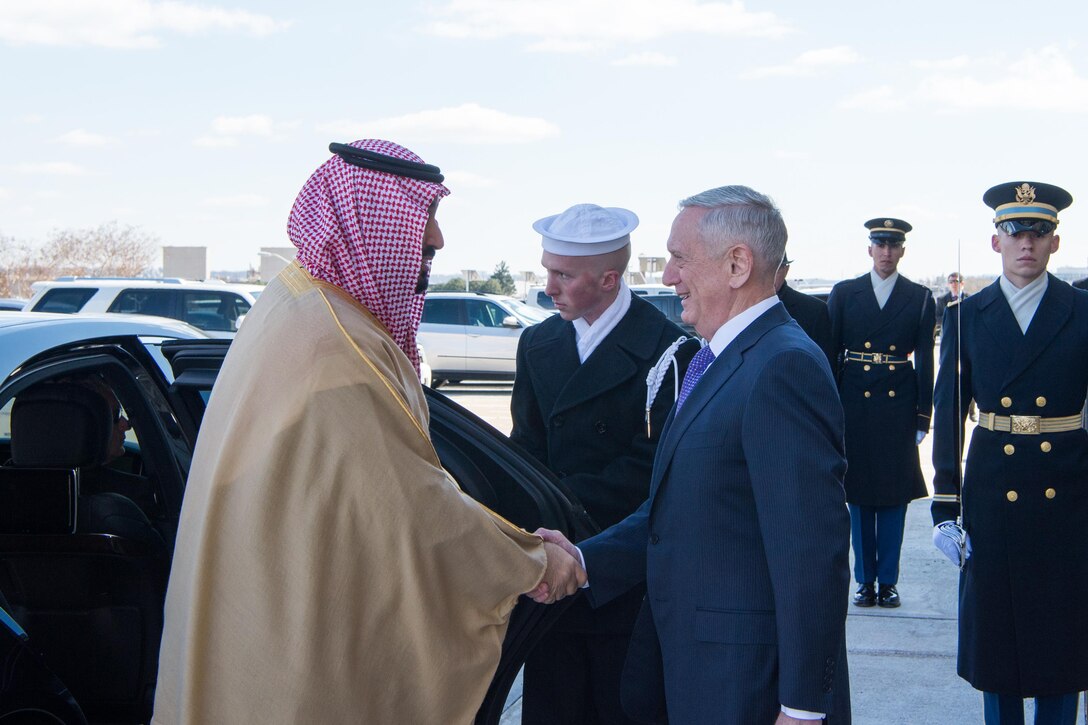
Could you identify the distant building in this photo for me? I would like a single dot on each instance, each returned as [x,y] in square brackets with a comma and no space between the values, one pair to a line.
[1070,274]
[273,260]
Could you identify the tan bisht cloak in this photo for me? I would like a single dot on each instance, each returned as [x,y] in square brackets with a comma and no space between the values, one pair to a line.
[327,569]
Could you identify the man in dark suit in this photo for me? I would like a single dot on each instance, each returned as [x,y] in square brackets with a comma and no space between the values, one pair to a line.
[1021,345]
[810,312]
[580,407]
[879,321]
[743,540]
[953,296]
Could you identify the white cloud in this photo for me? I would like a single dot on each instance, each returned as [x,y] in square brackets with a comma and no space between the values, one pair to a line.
[4,193]
[226,131]
[648,59]
[563,25]
[787,155]
[1045,76]
[468,123]
[79,137]
[809,63]
[467,180]
[50,168]
[238,201]
[121,23]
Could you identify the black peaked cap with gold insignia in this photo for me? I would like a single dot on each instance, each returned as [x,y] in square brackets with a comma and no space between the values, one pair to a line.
[1026,200]
[885,229]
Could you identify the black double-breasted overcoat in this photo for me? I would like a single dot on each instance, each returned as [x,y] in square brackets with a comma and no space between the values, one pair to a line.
[885,404]
[1022,626]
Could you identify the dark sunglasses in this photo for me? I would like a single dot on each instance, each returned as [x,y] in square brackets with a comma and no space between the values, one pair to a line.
[1039,228]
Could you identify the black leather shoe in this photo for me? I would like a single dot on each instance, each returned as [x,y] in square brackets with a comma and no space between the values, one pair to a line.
[888,596]
[865,596]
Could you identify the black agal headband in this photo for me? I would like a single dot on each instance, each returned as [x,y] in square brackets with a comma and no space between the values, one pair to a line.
[388,164]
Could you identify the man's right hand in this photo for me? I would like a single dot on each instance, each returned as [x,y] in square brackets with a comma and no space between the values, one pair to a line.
[947,538]
[563,576]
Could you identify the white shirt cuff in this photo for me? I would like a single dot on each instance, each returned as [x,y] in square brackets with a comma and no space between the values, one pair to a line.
[802,714]
[582,561]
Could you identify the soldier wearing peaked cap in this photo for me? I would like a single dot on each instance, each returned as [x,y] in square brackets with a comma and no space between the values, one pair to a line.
[1021,346]
[879,322]
[580,406]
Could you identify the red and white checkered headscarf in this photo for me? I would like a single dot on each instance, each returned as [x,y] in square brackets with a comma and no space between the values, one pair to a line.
[362,230]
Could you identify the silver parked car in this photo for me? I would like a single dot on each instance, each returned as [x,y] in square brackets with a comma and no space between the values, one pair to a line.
[473,336]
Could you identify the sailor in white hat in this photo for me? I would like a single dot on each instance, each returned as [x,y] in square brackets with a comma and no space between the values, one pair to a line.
[578,407]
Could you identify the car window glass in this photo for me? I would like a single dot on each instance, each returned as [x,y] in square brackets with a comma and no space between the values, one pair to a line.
[442,312]
[5,420]
[484,314]
[64,299]
[144,302]
[216,311]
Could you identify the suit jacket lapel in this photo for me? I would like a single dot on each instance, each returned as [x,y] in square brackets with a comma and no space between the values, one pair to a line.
[716,376]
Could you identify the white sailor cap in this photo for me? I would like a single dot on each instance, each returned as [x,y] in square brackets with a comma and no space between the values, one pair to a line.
[586,229]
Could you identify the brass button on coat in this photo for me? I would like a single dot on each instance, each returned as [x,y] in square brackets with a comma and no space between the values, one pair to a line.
[1045,446]
[1050,493]
[1009,449]
[891,348]
[866,368]
[1006,402]
[1040,401]
[868,345]
[891,393]
[1012,495]
[891,368]
[867,393]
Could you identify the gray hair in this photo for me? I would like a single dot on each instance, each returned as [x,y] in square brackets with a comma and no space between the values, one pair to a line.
[740,214]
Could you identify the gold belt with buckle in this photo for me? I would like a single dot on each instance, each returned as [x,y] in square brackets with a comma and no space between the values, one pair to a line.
[877,358]
[1028,424]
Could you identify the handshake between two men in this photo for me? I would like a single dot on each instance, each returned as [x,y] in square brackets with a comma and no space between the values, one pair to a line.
[564,575]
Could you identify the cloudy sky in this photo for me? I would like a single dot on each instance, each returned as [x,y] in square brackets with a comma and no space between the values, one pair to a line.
[199,122]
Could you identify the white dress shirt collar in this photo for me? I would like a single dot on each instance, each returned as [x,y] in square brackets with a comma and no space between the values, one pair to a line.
[882,288]
[731,329]
[1025,300]
[590,336]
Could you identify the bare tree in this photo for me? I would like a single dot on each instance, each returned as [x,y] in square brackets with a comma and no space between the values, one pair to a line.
[109,250]
[17,268]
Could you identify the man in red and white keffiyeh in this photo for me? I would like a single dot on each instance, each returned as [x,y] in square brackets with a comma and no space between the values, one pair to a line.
[373,234]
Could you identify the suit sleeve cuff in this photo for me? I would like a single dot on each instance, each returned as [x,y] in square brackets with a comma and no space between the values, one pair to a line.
[802,714]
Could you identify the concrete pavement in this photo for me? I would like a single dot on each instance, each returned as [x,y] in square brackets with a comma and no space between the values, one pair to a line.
[902,661]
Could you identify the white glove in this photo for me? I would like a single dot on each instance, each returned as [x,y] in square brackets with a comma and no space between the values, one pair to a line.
[947,537]
[919,436]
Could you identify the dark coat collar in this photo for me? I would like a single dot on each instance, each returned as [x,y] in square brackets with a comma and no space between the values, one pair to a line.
[1054,310]
[631,342]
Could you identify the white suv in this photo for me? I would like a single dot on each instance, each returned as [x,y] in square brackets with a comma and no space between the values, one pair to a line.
[473,336]
[215,307]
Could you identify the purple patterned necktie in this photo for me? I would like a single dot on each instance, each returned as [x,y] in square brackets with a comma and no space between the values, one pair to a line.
[696,368]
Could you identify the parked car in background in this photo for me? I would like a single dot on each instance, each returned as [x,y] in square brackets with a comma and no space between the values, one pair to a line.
[215,307]
[536,297]
[11,304]
[472,335]
[91,603]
